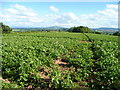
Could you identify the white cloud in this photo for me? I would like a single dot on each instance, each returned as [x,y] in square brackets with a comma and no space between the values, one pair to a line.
[19,15]
[54,9]
[12,11]
[102,18]
[21,10]
[66,18]
[112,6]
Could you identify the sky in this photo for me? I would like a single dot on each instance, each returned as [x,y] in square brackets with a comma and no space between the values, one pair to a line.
[64,14]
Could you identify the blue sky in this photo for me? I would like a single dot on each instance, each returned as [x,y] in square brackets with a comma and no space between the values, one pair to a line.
[65,14]
[60,0]
[76,7]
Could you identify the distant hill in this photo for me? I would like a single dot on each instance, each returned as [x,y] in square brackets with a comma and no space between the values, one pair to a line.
[52,28]
[105,30]
[55,28]
[58,28]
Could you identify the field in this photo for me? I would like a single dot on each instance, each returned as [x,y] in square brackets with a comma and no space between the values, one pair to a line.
[60,60]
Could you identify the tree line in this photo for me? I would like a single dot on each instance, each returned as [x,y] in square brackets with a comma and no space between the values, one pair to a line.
[5,28]
[79,29]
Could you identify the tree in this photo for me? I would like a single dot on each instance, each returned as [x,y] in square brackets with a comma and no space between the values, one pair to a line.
[117,33]
[4,28]
[97,32]
[80,29]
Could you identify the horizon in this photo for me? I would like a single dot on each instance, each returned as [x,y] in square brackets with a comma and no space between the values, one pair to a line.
[64,27]
[62,14]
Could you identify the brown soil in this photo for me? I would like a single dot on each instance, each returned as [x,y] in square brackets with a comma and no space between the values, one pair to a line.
[29,87]
[59,61]
[81,84]
[85,42]
[62,66]
[44,72]
[5,80]
[43,75]
[65,68]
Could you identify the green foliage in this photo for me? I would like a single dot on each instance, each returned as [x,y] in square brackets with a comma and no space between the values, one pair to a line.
[9,85]
[92,65]
[80,29]
[5,28]
[117,33]
[106,69]
[97,32]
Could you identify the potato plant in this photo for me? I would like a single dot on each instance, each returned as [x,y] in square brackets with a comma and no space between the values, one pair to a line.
[28,59]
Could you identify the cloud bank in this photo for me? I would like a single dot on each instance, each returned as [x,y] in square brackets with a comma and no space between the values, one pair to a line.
[21,16]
